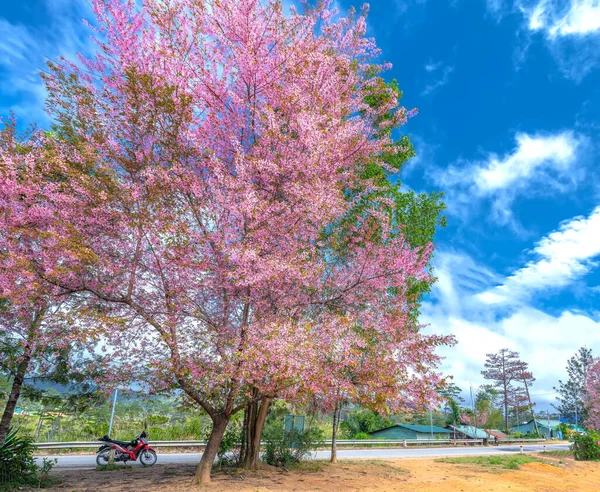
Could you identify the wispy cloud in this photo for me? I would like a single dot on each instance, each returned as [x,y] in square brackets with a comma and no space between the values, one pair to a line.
[442,76]
[24,51]
[480,328]
[580,18]
[496,8]
[562,257]
[432,66]
[533,154]
[571,30]
[538,164]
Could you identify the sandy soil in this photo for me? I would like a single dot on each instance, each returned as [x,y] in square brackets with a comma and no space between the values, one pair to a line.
[423,475]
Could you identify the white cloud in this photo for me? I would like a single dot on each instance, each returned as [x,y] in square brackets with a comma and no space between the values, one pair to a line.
[536,17]
[458,275]
[538,164]
[532,155]
[546,342]
[563,256]
[441,81]
[580,18]
[571,30]
[24,50]
[433,66]
[495,7]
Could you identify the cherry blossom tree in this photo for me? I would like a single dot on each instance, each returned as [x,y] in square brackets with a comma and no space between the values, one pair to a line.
[44,334]
[198,163]
[592,396]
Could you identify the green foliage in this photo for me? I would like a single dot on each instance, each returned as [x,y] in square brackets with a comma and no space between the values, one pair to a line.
[438,418]
[507,462]
[455,412]
[362,421]
[451,392]
[567,430]
[164,419]
[363,436]
[586,447]
[17,465]
[558,453]
[16,454]
[157,419]
[495,420]
[572,392]
[287,448]
[415,215]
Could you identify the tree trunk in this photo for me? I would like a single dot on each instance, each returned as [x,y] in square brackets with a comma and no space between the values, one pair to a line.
[505,408]
[15,392]
[210,452]
[38,428]
[336,423]
[255,416]
[250,413]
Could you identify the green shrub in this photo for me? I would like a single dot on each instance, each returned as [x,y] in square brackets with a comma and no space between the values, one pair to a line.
[17,465]
[586,447]
[157,419]
[362,436]
[362,421]
[286,448]
[226,454]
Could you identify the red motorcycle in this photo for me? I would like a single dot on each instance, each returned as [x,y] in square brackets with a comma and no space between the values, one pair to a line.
[126,451]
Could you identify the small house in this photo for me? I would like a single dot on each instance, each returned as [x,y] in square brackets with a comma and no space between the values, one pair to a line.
[467,432]
[407,431]
[496,433]
[548,428]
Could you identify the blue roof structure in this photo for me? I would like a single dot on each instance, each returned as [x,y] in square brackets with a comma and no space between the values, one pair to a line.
[471,431]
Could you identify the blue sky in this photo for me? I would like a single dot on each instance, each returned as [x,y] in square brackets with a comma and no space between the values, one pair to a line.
[508,93]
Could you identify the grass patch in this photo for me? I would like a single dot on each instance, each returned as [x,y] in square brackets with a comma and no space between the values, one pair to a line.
[500,462]
[557,454]
[309,466]
[29,483]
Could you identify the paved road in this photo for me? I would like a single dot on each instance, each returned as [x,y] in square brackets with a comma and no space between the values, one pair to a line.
[89,461]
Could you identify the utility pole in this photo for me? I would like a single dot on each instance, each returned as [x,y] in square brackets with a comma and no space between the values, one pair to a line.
[431,423]
[112,414]
[474,414]
[537,430]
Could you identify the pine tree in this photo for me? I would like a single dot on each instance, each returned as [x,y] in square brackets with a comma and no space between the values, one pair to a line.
[572,392]
[504,368]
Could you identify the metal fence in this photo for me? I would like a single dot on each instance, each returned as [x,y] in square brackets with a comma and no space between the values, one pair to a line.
[6,476]
[341,443]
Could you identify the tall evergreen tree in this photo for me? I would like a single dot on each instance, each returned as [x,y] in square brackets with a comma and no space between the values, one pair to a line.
[572,392]
[504,368]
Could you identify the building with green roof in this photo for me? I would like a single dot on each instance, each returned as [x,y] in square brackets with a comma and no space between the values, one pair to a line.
[406,431]
[468,432]
[548,428]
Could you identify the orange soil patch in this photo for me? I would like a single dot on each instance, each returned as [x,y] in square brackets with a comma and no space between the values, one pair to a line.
[423,475]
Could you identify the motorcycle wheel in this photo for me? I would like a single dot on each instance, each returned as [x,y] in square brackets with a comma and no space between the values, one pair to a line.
[102,458]
[148,457]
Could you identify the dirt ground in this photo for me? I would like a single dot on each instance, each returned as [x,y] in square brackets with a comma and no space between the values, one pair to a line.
[423,475]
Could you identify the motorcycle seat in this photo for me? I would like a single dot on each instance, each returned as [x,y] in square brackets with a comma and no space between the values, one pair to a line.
[120,443]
